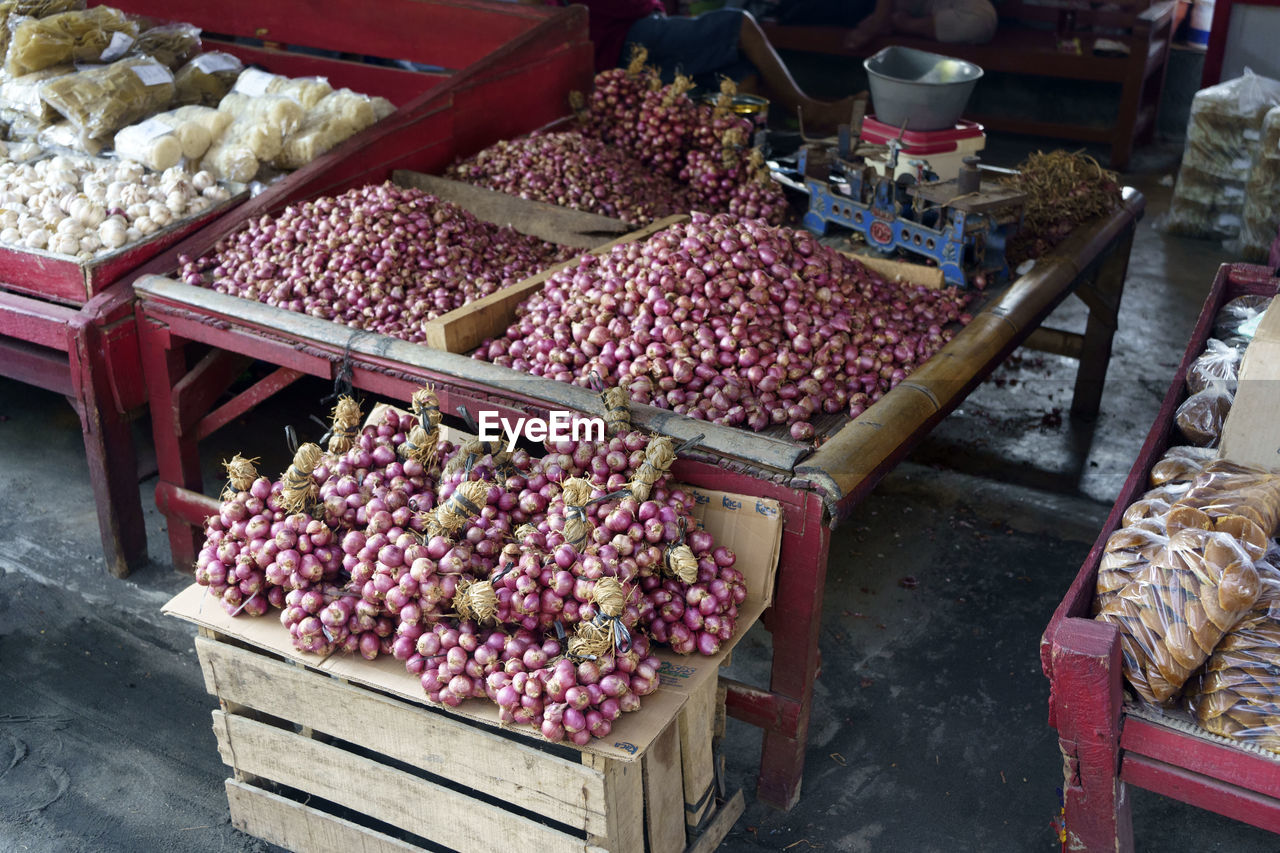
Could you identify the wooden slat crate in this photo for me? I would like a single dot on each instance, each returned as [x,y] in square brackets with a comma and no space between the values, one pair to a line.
[289,733]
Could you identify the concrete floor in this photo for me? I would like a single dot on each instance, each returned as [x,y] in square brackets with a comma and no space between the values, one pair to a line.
[929,732]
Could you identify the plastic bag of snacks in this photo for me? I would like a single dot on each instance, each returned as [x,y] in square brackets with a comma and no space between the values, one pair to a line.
[22,94]
[1218,362]
[169,44]
[1238,320]
[279,114]
[232,156]
[1190,593]
[151,143]
[207,79]
[191,133]
[305,91]
[31,9]
[64,135]
[91,35]
[1201,416]
[104,99]
[1237,693]
[337,117]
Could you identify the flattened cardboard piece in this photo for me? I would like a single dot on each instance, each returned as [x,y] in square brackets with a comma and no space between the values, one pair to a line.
[1251,434]
[752,527]
[195,605]
[448,433]
[631,736]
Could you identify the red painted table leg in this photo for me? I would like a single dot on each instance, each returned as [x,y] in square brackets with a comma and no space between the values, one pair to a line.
[795,622]
[1087,707]
[108,443]
[164,363]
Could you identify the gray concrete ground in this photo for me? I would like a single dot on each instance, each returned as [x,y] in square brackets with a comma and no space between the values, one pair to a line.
[930,726]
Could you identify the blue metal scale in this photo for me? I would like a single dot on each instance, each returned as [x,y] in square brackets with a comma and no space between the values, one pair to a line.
[962,225]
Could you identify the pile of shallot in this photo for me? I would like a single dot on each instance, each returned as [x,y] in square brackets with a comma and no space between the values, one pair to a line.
[539,583]
[382,258]
[735,322]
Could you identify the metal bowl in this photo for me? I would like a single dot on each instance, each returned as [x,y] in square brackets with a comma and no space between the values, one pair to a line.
[925,91]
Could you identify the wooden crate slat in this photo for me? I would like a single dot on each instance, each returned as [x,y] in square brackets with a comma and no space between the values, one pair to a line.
[565,792]
[695,723]
[664,793]
[624,803]
[720,825]
[301,828]
[462,329]
[453,819]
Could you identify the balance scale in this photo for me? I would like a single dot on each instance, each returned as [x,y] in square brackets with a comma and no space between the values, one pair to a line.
[921,192]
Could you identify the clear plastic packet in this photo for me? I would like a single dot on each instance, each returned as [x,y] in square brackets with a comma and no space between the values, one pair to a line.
[192,135]
[151,143]
[31,9]
[68,37]
[169,44]
[231,157]
[21,126]
[207,79]
[1237,693]
[63,136]
[1227,489]
[1201,416]
[276,112]
[1218,362]
[1130,550]
[305,91]
[1237,320]
[334,119]
[101,100]
[22,94]
[1179,605]
[1180,464]
[207,117]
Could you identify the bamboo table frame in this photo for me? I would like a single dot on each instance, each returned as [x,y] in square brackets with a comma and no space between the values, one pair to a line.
[815,491]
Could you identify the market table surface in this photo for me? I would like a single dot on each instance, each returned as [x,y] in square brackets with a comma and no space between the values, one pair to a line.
[816,490]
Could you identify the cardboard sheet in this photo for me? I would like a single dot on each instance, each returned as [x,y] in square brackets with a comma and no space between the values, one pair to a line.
[1251,434]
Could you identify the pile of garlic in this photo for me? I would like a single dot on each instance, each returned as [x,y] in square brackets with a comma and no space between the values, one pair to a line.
[83,207]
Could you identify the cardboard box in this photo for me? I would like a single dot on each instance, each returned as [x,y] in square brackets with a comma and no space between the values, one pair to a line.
[1251,434]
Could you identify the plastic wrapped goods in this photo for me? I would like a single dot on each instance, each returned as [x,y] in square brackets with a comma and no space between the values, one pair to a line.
[1218,362]
[31,9]
[169,44]
[77,36]
[305,91]
[100,101]
[274,111]
[22,94]
[1180,465]
[1201,416]
[151,143]
[210,119]
[231,157]
[1237,693]
[192,134]
[1224,138]
[64,135]
[1260,218]
[1237,321]
[334,119]
[207,79]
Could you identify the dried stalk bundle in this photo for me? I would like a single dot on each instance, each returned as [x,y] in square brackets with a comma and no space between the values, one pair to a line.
[476,600]
[617,410]
[426,406]
[576,493]
[658,457]
[524,531]
[680,563]
[240,475]
[466,502]
[420,446]
[297,483]
[605,633]
[1063,190]
[346,424]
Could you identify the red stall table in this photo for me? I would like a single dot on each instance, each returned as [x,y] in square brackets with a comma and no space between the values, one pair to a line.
[1108,744]
[71,329]
[195,341]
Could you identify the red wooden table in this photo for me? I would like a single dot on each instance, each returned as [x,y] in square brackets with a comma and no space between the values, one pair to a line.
[85,347]
[194,341]
[1105,744]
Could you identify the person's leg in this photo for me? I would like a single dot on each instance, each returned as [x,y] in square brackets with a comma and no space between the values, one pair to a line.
[777,84]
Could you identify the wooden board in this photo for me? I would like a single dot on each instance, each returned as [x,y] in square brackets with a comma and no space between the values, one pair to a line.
[895,270]
[695,722]
[383,792]
[299,827]
[550,222]
[664,793]
[562,790]
[71,281]
[462,329]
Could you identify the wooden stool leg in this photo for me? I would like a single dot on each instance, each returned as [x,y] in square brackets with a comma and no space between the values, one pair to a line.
[164,362]
[108,442]
[1087,703]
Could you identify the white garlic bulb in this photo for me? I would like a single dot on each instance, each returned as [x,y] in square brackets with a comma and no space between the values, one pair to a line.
[136,210]
[127,170]
[112,233]
[90,243]
[133,233]
[217,193]
[202,180]
[65,244]
[37,239]
[71,227]
[10,235]
[145,225]
[176,201]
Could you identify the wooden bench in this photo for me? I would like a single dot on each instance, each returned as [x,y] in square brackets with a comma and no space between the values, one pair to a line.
[1027,42]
